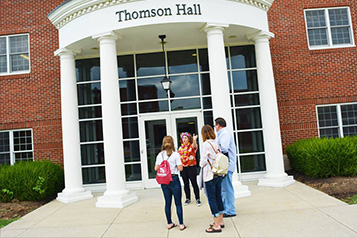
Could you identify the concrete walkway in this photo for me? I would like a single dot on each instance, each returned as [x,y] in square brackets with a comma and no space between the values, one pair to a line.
[293,211]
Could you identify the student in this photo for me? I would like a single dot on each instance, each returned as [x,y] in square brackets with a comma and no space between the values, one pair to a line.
[212,182]
[226,142]
[187,152]
[174,188]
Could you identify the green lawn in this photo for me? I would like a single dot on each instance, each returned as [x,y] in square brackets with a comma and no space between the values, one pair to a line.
[351,200]
[4,222]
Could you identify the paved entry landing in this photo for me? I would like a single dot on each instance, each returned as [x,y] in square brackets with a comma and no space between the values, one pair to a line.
[293,211]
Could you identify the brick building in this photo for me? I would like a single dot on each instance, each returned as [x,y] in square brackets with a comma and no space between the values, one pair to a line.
[81,84]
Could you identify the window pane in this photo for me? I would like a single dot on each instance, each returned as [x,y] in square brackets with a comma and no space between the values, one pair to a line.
[131,151]
[23,156]
[349,114]
[88,69]
[4,142]
[93,175]
[203,57]
[3,64]
[246,99]
[128,109]
[205,84]
[130,128]
[250,142]
[242,57]
[183,61]
[338,17]
[350,131]
[252,163]
[132,172]
[3,46]
[92,154]
[22,141]
[89,93]
[244,81]
[248,118]
[207,103]
[185,104]
[126,66]
[150,64]
[127,90]
[327,116]
[185,85]
[317,36]
[208,118]
[91,131]
[329,132]
[316,18]
[5,158]
[158,106]
[19,62]
[150,88]
[341,35]
[18,44]
[90,112]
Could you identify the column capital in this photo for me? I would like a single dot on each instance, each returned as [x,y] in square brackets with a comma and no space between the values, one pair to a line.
[209,26]
[107,35]
[65,51]
[261,35]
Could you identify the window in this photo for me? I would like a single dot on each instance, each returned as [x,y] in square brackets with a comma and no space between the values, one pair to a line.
[329,28]
[14,54]
[337,120]
[16,146]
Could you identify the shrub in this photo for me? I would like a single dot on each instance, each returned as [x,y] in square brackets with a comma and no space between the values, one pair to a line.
[31,181]
[324,157]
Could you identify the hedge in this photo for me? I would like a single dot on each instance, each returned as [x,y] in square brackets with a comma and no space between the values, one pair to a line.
[30,181]
[324,157]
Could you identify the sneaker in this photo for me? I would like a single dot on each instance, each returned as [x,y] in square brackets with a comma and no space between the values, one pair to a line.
[188,201]
[198,202]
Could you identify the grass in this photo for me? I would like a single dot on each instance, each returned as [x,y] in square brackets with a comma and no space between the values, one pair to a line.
[4,222]
[351,200]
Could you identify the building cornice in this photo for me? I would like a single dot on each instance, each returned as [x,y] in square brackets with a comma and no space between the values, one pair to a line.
[72,9]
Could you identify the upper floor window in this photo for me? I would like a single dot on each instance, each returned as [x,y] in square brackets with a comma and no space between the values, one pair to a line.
[329,28]
[16,145]
[14,54]
[337,120]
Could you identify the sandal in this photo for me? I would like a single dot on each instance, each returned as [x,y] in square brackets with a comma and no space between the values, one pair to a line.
[184,227]
[173,225]
[212,230]
[211,225]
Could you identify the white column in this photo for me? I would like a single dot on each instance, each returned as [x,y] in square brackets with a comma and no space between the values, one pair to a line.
[116,194]
[220,88]
[275,176]
[74,190]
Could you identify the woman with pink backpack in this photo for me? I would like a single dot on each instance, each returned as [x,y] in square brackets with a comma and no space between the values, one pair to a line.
[173,189]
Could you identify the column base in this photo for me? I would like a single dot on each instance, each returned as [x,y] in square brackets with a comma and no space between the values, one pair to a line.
[74,197]
[240,190]
[276,182]
[116,201]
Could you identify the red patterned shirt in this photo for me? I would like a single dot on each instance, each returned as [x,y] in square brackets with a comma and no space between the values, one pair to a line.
[188,155]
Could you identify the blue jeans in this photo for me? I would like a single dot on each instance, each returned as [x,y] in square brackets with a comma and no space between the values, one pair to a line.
[174,188]
[228,194]
[214,196]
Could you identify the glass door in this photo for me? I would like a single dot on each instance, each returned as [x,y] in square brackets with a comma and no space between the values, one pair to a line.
[152,131]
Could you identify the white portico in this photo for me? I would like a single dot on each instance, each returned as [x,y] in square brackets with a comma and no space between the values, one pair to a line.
[197,31]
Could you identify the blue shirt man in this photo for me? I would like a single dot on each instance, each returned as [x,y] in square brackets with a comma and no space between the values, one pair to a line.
[226,142]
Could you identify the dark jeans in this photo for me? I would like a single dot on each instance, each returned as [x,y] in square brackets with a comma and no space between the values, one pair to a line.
[174,188]
[214,196]
[190,173]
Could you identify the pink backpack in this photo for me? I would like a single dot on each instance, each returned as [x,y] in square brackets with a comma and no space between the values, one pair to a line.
[163,175]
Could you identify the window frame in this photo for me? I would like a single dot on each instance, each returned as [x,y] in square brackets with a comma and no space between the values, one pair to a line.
[8,54]
[340,125]
[12,146]
[328,26]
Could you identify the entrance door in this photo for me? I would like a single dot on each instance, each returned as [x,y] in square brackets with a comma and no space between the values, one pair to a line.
[152,131]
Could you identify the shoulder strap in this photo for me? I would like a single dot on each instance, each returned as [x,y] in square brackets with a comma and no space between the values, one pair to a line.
[162,154]
[213,147]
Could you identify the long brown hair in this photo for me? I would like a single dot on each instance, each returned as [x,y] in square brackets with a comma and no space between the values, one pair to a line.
[168,145]
[207,132]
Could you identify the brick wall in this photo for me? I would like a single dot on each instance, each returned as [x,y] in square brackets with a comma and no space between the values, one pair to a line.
[305,78]
[33,100]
